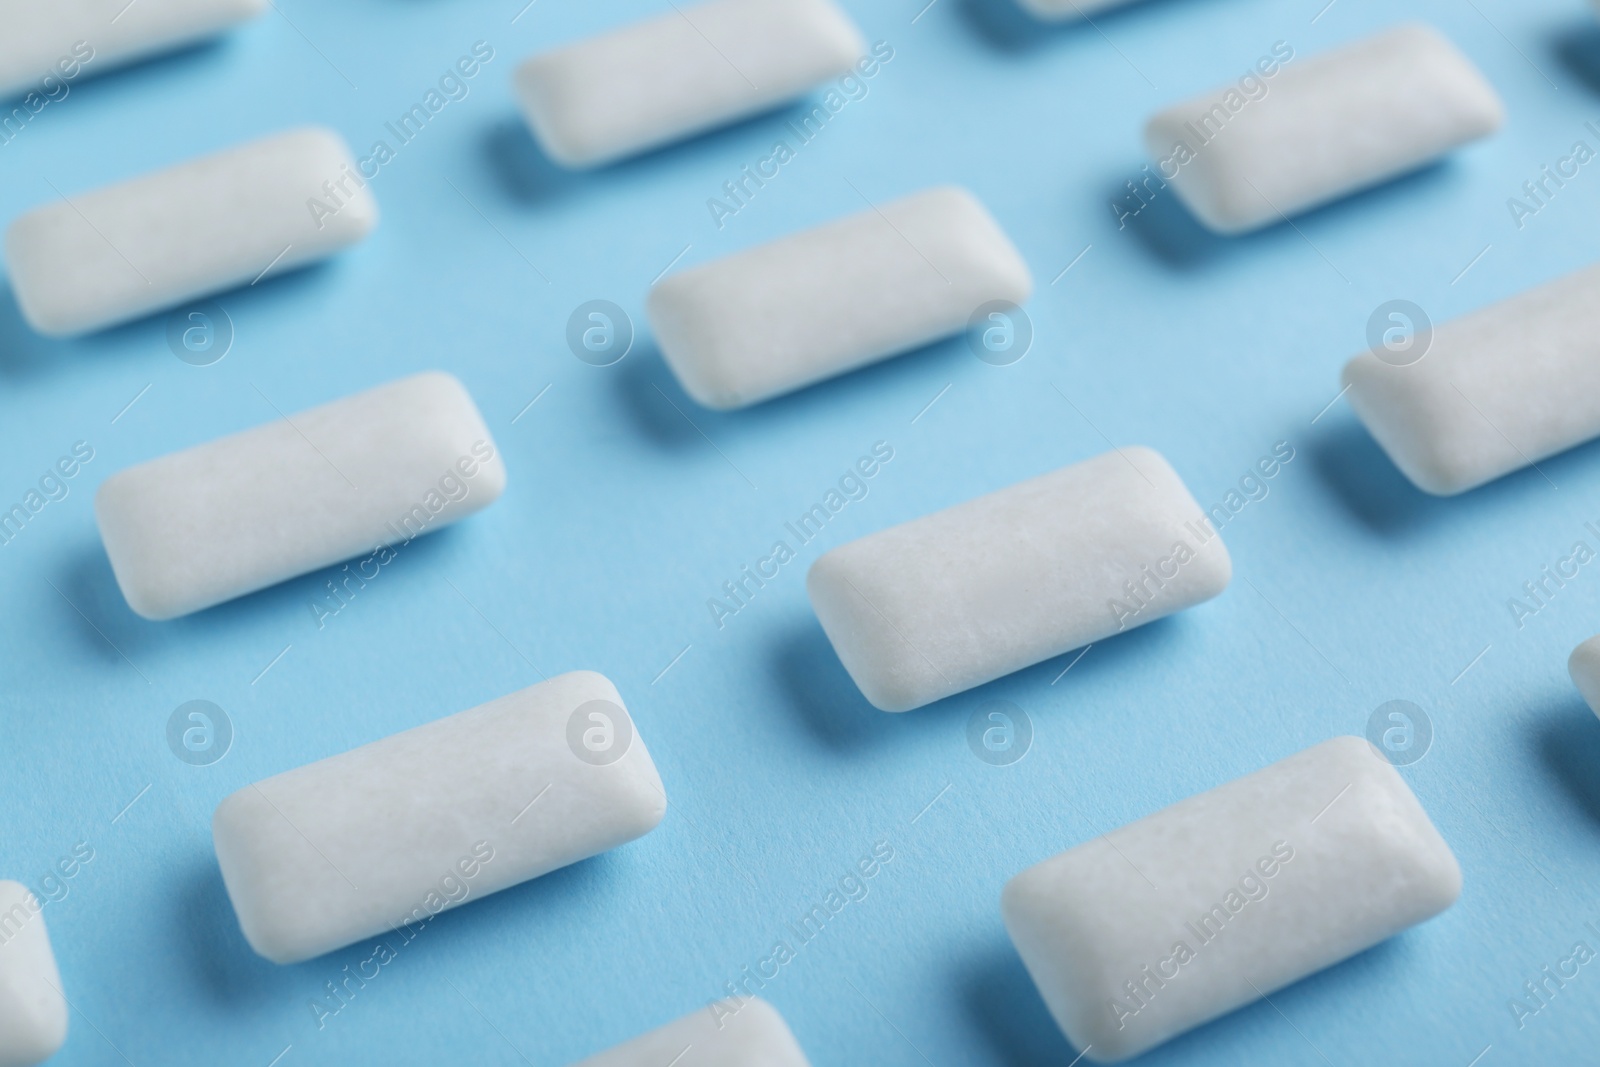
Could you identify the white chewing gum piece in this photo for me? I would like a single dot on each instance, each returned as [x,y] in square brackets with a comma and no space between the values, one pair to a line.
[933,607]
[65,39]
[1584,666]
[33,1010]
[195,528]
[384,837]
[729,1033]
[1326,127]
[1496,390]
[893,278]
[103,258]
[1205,906]
[668,78]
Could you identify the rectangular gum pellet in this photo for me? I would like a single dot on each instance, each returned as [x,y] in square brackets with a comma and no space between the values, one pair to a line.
[1251,153]
[33,1010]
[1150,930]
[1584,666]
[195,528]
[99,259]
[62,39]
[747,1032]
[922,611]
[1491,392]
[384,837]
[892,278]
[666,78]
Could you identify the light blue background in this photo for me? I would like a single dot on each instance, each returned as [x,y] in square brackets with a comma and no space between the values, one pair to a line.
[621,520]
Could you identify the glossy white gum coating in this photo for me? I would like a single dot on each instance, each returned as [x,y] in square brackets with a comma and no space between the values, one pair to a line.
[1499,389]
[99,259]
[66,39]
[195,528]
[388,835]
[935,606]
[815,304]
[667,78]
[1154,928]
[1268,148]
[33,1010]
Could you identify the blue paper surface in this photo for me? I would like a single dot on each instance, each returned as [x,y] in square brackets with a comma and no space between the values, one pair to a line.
[629,506]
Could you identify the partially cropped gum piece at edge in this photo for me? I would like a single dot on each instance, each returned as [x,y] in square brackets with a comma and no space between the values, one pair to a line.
[1494,391]
[692,69]
[33,1009]
[739,1032]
